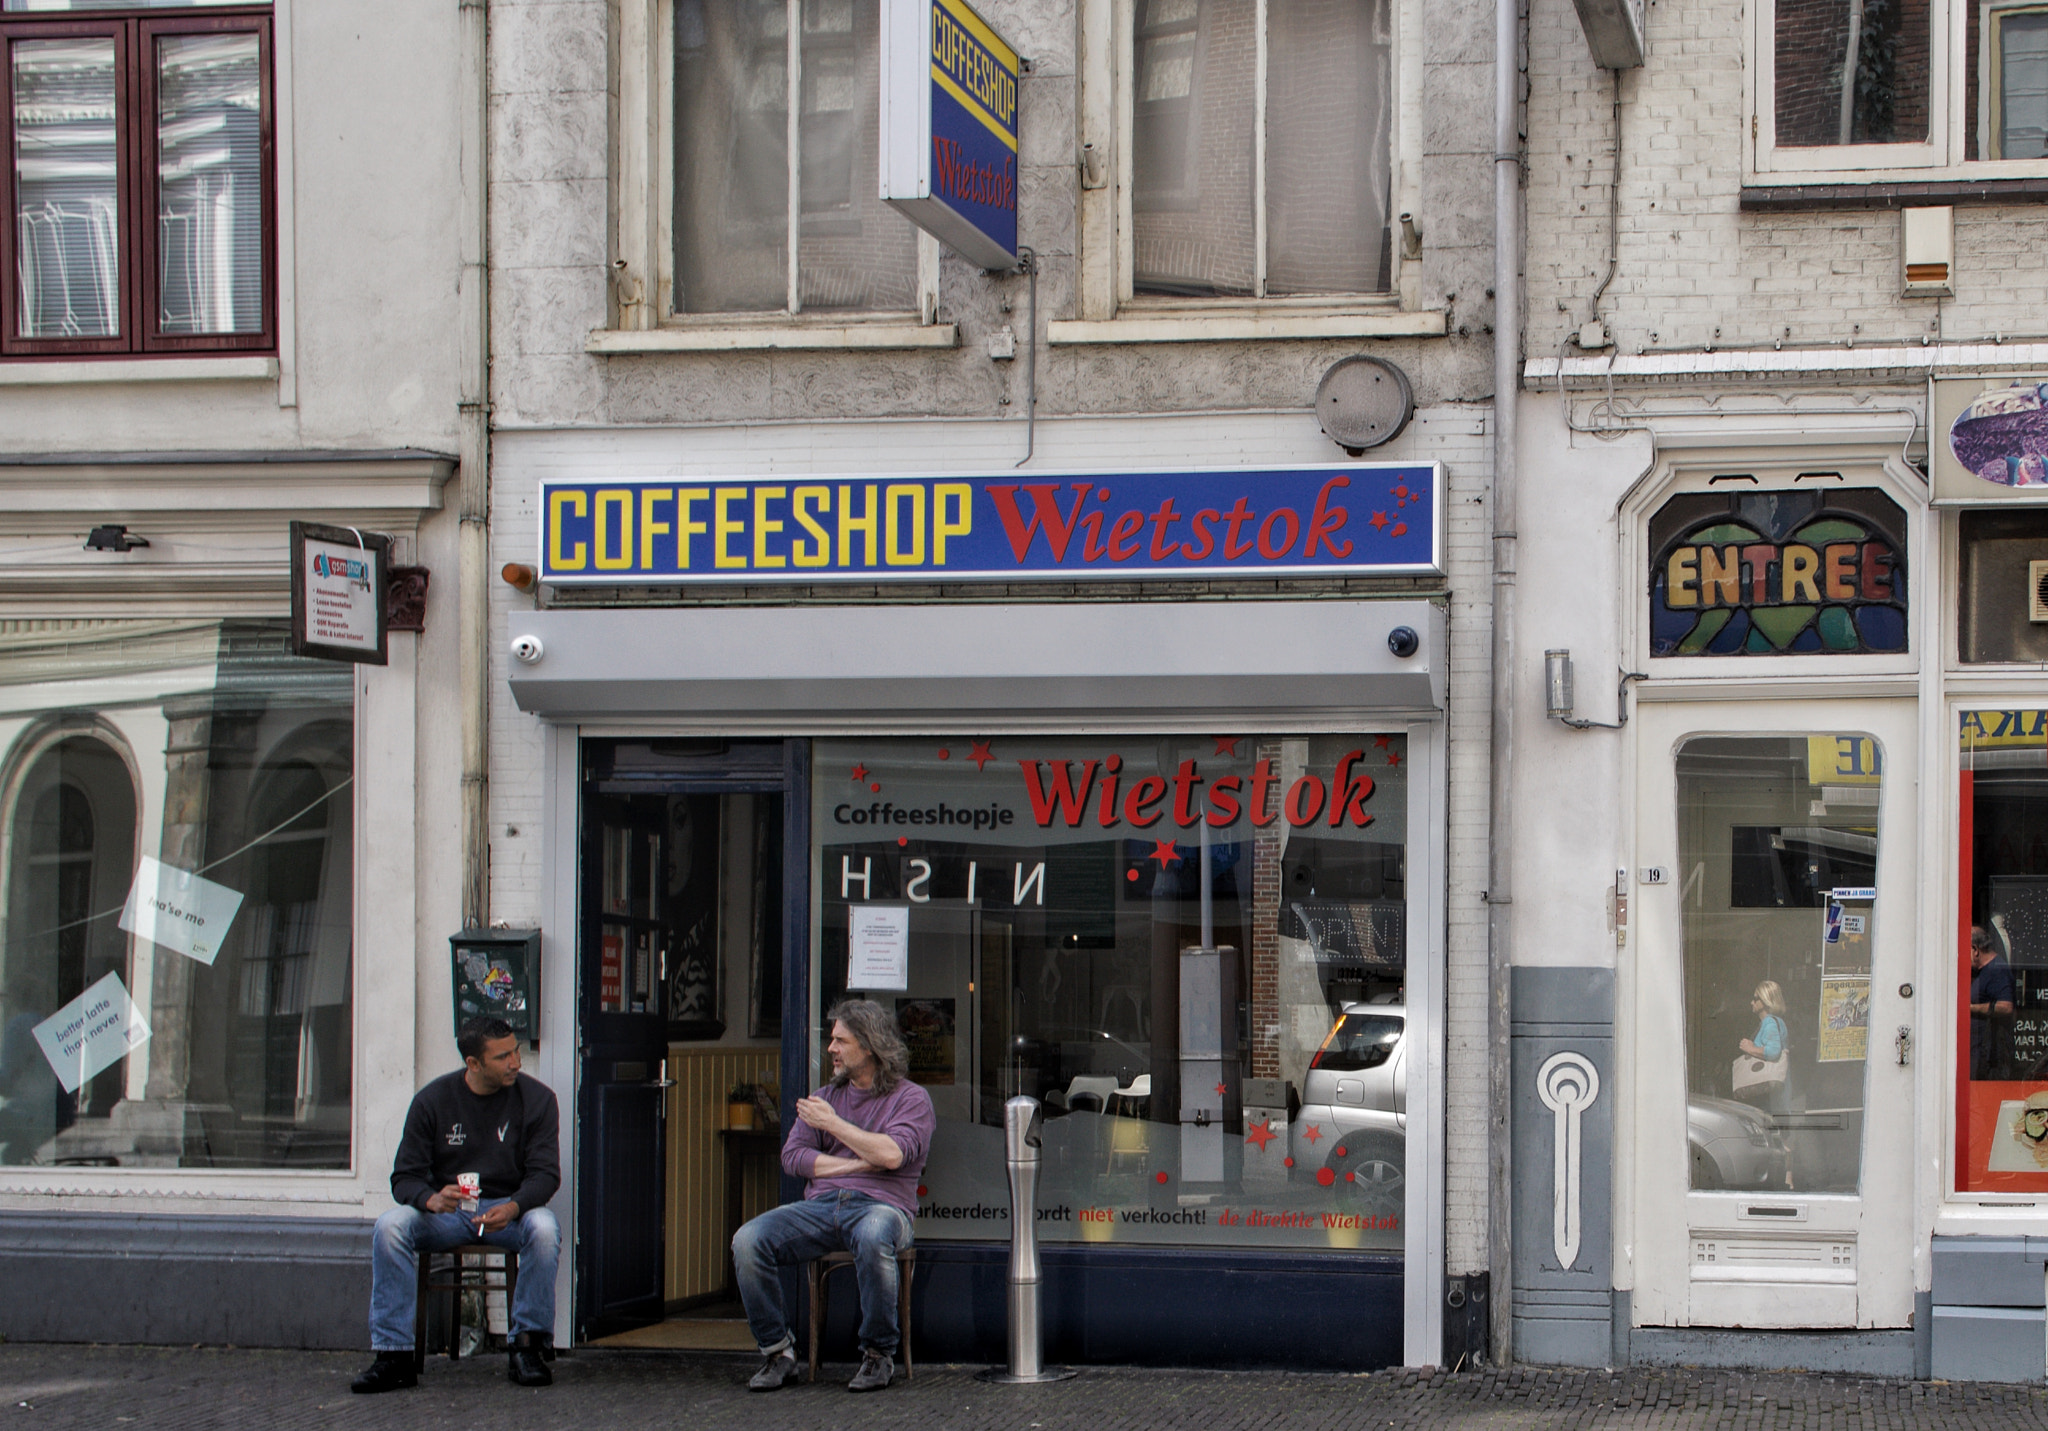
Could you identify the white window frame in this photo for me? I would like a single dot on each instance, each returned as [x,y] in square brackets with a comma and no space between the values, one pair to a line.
[643,206]
[1110,309]
[1949,127]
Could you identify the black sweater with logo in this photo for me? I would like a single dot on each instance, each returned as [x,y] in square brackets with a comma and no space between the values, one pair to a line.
[508,1139]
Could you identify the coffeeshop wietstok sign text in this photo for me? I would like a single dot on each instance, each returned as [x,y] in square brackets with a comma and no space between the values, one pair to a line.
[1351,519]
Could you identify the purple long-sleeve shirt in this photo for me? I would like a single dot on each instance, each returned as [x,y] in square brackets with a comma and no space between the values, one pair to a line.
[904,1114]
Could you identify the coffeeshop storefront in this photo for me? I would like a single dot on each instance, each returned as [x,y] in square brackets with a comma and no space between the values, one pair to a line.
[1172,867]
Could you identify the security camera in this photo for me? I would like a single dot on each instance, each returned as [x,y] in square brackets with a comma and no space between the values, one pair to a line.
[1403,641]
[526,648]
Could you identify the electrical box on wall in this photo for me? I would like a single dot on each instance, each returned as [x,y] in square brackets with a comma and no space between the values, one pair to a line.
[1614,32]
[497,975]
[1927,251]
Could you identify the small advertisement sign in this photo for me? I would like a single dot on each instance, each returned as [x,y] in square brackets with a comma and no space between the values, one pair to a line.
[949,127]
[175,909]
[339,601]
[92,1033]
[1330,519]
[1987,439]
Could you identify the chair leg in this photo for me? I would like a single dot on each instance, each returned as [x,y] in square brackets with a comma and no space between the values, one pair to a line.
[455,1309]
[908,1268]
[419,1312]
[818,1280]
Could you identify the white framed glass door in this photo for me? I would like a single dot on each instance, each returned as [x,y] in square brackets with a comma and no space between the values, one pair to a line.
[1773,1131]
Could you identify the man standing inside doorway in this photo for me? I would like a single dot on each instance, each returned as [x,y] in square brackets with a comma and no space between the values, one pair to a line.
[1991,1000]
[860,1142]
[488,1127]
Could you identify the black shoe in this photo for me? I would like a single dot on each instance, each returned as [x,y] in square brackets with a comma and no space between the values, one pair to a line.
[527,1366]
[777,1370]
[391,1371]
[877,1370]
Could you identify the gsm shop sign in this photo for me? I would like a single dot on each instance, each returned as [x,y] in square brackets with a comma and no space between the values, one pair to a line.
[1352,519]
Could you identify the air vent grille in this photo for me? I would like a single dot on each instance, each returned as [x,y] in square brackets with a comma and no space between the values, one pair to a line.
[2037,591]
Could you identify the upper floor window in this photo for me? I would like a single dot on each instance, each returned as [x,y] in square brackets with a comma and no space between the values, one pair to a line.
[1859,85]
[776,122]
[1260,148]
[137,142]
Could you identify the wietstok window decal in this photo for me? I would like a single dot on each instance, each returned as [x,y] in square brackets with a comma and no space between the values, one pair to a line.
[1778,574]
[1347,519]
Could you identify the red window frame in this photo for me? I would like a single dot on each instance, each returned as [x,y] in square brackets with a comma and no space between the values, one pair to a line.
[135,36]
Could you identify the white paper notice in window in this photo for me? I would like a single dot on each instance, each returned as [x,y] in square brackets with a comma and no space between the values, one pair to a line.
[92,1033]
[178,910]
[878,946]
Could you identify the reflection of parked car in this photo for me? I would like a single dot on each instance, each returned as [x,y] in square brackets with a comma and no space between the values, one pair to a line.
[1351,1133]
[1734,1145]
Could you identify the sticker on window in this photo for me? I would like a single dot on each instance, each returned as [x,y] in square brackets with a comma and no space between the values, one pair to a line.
[177,910]
[92,1033]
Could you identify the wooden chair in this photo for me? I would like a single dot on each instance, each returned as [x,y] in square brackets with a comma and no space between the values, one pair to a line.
[823,1267]
[456,1276]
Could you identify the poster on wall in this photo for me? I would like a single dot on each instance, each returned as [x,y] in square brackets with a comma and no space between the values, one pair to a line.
[340,606]
[696,970]
[1987,439]
[1844,1021]
[878,947]
[928,1032]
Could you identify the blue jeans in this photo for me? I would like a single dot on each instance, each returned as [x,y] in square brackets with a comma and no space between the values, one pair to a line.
[405,1234]
[799,1232]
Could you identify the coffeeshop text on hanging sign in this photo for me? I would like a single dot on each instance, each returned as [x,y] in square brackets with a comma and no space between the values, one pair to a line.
[1350,519]
[949,127]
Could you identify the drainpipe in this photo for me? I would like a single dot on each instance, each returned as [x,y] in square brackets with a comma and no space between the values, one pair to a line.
[473,496]
[1507,364]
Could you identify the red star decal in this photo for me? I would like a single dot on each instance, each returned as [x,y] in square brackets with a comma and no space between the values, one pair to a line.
[1312,1132]
[1380,741]
[981,754]
[1378,521]
[1260,1133]
[1393,757]
[1227,745]
[860,772]
[1164,852]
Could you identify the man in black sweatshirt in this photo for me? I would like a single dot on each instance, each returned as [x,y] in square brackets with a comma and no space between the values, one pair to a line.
[486,1122]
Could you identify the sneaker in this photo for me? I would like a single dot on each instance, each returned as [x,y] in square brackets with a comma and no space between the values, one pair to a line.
[391,1371]
[526,1365]
[778,1369]
[877,1370]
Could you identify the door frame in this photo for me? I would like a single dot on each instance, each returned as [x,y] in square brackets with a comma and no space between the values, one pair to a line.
[1884,1214]
[558,1060]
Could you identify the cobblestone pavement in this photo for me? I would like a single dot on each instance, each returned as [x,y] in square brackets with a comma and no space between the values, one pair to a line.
[49,1387]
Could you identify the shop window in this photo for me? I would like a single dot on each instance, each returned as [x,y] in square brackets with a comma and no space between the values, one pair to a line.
[776,126]
[1998,601]
[1033,909]
[1777,840]
[176,817]
[1748,573]
[2002,953]
[138,179]
[1234,192]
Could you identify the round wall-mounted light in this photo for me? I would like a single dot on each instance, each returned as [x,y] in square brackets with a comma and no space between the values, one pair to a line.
[1363,402]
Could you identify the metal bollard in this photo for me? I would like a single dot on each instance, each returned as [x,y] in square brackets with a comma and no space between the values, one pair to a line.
[1023,1121]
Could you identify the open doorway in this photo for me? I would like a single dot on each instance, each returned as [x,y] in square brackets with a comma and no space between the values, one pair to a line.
[683,941]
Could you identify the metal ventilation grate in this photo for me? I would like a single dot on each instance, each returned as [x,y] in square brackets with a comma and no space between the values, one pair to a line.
[2037,591]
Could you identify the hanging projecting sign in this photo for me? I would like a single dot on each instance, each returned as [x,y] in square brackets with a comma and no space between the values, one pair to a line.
[1819,571]
[1327,520]
[949,127]
[338,593]
[1987,440]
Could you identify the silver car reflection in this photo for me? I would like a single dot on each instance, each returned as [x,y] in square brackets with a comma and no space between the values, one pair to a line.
[1734,1146]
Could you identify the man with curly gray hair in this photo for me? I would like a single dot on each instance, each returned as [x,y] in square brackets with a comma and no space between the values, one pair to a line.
[860,1143]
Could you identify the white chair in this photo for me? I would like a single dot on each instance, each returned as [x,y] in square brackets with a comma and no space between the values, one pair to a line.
[1100,1088]
[1139,1091]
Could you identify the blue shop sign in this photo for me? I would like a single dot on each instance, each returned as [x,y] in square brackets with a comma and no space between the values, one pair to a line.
[949,127]
[1351,519]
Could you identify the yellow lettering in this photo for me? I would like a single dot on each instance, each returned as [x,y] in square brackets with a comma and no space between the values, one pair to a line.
[1681,578]
[686,498]
[1721,576]
[649,528]
[819,552]
[849,524]
[607,500]
[557,501]
[962,521]
[763,527]
[727,529]
[1838,565]
[893,501]
[1801,567]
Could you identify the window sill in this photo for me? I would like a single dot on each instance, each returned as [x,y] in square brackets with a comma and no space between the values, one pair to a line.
[1244,327]
[138,370]
[863,336]
[1806,196]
